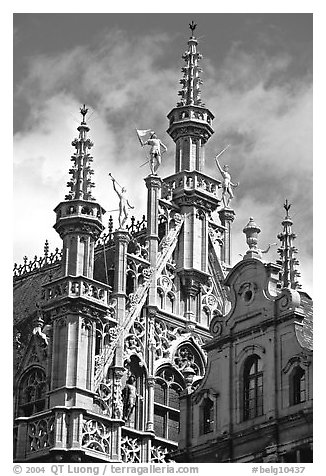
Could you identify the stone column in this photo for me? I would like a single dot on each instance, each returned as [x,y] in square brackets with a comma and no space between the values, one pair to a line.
[153,184]
[150,408]
[227,216]
[151,359]
[121,240]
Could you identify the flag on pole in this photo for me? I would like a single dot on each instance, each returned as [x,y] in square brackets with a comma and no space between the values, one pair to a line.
[142,133]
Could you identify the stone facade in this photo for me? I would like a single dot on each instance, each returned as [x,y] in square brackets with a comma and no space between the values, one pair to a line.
[111,331]
[255,402]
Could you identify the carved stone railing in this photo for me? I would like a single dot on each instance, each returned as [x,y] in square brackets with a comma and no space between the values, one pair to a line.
[37,263]
[40,433]
[193,180]
[134,227]
[76,287]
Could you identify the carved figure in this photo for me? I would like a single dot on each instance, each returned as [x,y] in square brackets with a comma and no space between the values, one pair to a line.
[129,396]
[155,152]
[227,184]
[38,325]
[124,204]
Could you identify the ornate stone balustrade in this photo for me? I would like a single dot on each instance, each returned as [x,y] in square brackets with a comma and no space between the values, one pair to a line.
[40,433]
[37,263]
[193,180]
[53,431]
[76,287]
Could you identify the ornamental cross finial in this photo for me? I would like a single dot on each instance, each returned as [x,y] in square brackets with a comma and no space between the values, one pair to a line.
[287,206]
[83,112]
[192,27]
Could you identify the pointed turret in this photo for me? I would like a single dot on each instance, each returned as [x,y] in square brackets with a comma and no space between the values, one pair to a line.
[190,122]
[79,218]
[287,251]
[81,172]
[190,92]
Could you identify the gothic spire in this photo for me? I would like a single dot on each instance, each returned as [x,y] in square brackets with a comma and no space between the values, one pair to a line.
[190,92]
[80,183]
[287,251]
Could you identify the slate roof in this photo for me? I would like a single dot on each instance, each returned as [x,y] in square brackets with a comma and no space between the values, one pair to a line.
[27,291]
[28,288]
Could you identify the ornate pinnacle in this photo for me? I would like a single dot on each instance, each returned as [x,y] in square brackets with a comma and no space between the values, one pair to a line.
[80,183]
[190,92]
[287,251]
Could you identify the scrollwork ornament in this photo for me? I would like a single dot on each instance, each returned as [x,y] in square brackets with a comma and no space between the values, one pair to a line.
[216,328]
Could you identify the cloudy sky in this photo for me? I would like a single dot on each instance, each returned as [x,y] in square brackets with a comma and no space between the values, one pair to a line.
[257,81]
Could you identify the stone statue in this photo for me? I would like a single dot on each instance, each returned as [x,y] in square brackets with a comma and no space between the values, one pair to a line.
[227,184]
[129,396]
[124,205]
[155,152]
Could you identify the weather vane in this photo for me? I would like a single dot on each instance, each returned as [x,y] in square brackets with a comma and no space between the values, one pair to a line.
[192,27]
[83,112]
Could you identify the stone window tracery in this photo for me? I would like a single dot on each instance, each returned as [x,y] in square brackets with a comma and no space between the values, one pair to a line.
[32,391]
[168,385]
[187,356]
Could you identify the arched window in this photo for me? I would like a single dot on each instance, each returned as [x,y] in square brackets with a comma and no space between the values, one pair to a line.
[169,302]
[297,386]
[206,416]
[166,409]
[252,388]
[32,391]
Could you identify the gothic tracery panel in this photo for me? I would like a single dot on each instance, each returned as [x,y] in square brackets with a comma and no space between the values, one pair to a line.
[40,434]
[187,356]
[130,450]
[96,436]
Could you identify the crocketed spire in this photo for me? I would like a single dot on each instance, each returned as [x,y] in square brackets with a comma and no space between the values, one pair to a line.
[190,92]
[80,183]
[287,251]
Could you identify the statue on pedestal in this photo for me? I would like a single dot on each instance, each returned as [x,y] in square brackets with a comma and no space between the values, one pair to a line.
[155,151]
[124,204]
[129,396]
[227,184]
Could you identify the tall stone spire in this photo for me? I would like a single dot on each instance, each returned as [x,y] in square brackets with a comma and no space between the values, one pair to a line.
[190,92]
[190,122]
[287,251]
[79,217]
[80,183]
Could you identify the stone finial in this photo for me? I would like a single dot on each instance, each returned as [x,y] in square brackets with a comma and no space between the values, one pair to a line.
[188,373]
[192,27]
[251,230]
[83,112]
